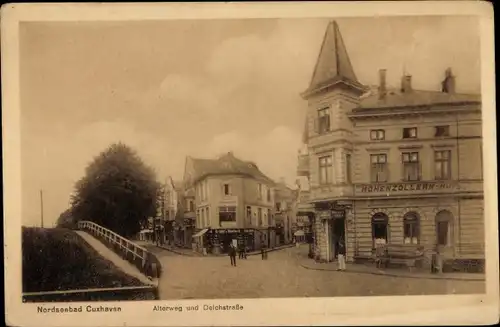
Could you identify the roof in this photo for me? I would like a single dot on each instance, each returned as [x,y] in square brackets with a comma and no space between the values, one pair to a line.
[226,165]
[333,65]
[396,99]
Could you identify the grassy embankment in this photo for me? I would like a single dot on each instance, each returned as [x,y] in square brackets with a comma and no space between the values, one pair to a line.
[58,259]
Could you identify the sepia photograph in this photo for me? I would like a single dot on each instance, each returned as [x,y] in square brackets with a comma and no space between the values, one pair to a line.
[250,158]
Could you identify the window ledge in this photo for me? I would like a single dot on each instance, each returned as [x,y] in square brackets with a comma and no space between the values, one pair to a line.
[384,149]
[412,146]
[442,145]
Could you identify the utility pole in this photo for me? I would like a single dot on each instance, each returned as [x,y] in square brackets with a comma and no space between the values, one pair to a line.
[41,207]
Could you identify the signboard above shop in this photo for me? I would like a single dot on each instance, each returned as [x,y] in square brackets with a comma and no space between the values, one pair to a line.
[405,188]
[332,214]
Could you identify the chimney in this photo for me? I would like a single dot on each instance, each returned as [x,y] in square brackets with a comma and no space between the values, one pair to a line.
[406,84]
[382,88]
[449,82]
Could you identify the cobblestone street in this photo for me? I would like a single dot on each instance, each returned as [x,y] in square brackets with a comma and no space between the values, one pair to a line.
[282,276]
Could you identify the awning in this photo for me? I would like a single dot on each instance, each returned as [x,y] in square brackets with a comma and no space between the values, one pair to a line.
[146,231]
[299,233]
[201,232]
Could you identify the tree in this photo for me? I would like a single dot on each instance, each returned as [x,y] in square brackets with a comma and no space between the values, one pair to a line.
[118,191]
[66,220]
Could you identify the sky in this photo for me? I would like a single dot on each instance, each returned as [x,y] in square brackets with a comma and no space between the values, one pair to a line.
[201,88]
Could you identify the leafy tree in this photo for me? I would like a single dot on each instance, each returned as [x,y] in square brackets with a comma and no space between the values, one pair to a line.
[66,220]
[118,191]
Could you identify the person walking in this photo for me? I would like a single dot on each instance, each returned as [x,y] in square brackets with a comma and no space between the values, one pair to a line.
[232,254]
[240,252]
[341,255]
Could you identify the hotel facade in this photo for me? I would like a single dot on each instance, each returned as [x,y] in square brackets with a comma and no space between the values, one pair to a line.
[390,166]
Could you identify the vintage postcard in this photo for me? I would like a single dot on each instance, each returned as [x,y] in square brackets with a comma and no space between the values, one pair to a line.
[260,164]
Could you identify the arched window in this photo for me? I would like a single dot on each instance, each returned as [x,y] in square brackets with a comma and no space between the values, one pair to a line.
[411,223]
[380,228]
[444,220]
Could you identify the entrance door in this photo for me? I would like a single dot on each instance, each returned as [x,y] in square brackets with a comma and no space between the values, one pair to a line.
[338,232]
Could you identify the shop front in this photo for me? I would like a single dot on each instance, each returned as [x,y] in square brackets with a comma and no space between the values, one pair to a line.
[219,240]
[329,229]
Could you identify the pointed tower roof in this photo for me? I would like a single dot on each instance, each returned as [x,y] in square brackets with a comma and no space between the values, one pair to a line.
[333,65]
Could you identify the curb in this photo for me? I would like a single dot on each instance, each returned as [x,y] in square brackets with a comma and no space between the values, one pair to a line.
[397,275]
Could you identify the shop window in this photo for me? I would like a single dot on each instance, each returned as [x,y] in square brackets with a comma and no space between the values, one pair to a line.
[411,166]
[444,221]
[411,225]
[380,229]
[442,164]
[227,214]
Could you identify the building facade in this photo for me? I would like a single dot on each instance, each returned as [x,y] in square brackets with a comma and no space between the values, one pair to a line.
[390,166]
[285,213]
[233,202]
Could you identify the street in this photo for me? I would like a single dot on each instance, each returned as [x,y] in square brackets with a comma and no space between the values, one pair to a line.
[282,276]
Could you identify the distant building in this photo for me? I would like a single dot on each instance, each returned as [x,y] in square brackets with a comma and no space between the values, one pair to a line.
[397,166]
[285,213]
[234,200]
[174,213]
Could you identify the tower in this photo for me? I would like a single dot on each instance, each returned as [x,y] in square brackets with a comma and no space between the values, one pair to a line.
[333,92]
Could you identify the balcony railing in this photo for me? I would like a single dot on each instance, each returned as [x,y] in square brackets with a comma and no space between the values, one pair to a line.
[303,165]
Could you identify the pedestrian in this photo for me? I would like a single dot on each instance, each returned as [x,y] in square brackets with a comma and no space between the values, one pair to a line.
[341,255]
[240,252]
[232,254]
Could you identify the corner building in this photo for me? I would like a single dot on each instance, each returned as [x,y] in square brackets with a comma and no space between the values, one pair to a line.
[390,165]
[233,201]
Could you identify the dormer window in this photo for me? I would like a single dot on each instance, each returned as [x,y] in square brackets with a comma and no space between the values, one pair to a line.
[410,133]
[323,120]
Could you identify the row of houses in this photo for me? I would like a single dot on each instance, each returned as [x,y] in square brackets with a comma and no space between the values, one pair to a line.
[390,165]
[225,200]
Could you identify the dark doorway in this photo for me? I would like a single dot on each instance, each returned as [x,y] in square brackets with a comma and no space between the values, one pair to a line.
[338,233]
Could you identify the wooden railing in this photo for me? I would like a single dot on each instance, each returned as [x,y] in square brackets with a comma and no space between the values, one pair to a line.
[144,260]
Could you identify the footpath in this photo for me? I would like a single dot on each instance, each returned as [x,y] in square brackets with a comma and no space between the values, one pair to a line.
[392,272]
[110,255]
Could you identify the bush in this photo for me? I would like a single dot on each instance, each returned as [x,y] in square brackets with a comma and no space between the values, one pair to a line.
[59,259]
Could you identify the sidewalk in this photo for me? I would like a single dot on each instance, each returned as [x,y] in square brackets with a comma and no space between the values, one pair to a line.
[392,272]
